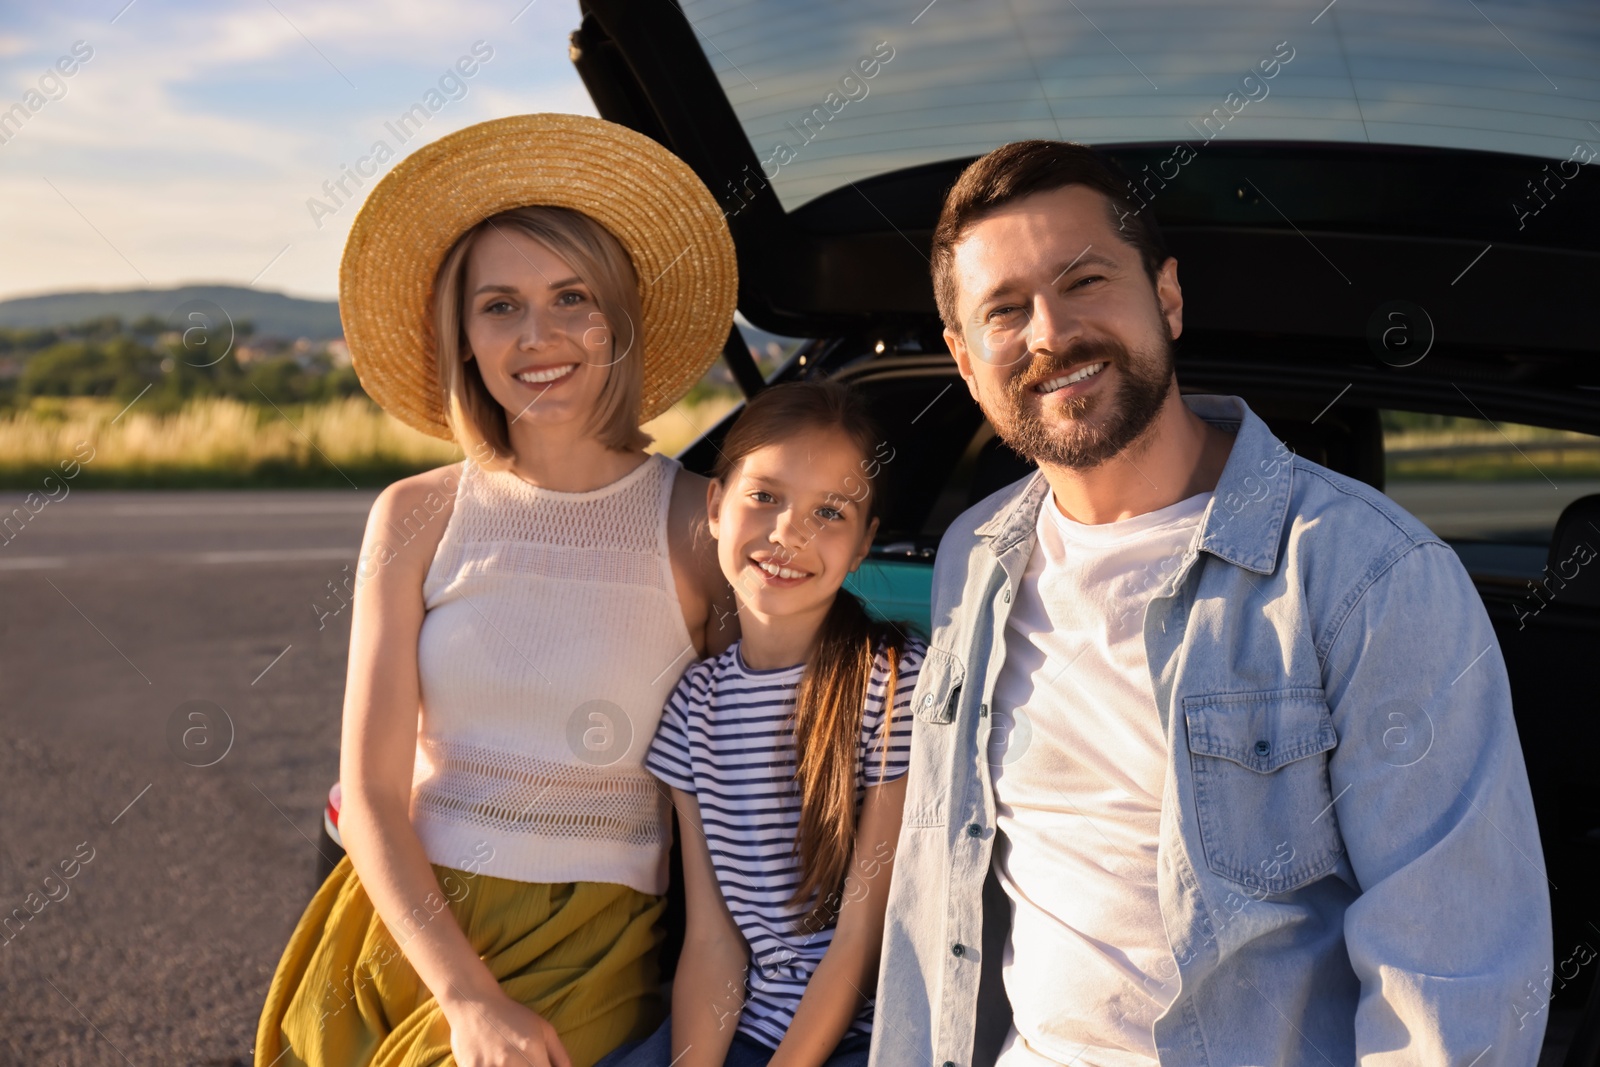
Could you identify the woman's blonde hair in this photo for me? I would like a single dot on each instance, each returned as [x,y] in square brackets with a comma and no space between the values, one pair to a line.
[595,256]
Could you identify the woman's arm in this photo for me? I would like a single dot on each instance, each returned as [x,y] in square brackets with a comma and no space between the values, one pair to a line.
[848,973]
[708,991]
[377,758]
[709,608]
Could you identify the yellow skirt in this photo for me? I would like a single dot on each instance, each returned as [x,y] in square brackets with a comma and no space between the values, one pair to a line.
[581,954]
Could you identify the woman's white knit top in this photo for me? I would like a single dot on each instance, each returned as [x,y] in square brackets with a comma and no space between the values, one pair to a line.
[552,639]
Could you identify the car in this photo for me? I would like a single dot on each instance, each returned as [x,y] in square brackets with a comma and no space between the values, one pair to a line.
[1387,238]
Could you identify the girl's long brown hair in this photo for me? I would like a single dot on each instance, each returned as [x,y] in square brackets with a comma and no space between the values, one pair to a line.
[833,689]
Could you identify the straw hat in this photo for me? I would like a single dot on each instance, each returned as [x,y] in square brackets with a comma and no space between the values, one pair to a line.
[663,215]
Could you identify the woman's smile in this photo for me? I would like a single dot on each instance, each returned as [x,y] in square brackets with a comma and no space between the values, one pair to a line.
[542,378]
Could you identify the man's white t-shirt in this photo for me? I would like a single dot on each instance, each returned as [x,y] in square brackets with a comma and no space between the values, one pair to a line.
[1078,762]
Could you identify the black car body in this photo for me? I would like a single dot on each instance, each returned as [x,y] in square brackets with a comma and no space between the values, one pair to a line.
[1414,229]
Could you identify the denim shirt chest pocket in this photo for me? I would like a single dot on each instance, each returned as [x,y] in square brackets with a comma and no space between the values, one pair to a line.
[933,740]
[943,675]
[1261,788]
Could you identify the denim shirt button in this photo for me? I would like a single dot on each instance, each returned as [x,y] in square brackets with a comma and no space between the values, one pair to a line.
[958,949]
[974,830]
[927,701]
[949,1063]
[1262,748]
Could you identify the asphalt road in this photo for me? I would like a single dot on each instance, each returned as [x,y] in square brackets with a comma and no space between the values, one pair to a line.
[116,611]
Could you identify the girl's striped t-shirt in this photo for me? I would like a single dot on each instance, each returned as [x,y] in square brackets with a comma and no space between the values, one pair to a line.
[726,736]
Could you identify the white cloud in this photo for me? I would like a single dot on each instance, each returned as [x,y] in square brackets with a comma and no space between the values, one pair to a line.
[193,138]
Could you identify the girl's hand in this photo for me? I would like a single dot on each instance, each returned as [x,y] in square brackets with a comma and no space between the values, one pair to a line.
[499,1032]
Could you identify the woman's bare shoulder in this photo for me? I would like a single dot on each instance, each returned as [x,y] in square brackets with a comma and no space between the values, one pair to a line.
[408,518]
[687,531]
[710,609]
[690,488]
[413,489]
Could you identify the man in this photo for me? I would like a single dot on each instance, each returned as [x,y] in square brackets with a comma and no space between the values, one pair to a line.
[1215,745]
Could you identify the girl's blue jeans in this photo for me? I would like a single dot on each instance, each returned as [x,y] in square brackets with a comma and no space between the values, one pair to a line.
[656,1051]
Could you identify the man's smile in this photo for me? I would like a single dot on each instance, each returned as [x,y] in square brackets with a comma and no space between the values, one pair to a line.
[1063,381]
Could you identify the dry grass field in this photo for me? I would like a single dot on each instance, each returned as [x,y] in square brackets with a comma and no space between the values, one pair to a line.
[217,443]
[223,443]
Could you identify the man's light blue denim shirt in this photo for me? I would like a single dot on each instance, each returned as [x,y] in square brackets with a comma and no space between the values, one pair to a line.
[1348,867]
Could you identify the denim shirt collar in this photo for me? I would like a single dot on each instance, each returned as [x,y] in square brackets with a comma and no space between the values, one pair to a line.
[1246,535]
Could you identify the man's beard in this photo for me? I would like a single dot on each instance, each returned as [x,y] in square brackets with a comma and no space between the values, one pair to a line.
[1125,413]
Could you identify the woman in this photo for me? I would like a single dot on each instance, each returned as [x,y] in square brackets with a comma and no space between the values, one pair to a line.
[533,287]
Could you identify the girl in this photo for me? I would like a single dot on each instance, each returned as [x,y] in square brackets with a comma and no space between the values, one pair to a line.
[519,617]
[786,753]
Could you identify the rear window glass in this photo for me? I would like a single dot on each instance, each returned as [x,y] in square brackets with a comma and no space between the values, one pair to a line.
[1494,490]
[828,96]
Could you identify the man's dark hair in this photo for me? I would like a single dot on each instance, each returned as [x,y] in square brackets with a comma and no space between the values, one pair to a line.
[1021,169]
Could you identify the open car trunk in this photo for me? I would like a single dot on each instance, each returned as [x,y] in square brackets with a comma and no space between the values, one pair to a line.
[1300,237]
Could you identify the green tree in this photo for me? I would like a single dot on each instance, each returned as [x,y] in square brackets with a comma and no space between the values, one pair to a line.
[120,368]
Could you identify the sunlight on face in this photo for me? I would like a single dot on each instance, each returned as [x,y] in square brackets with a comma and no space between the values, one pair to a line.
[792,522]
[541,343]
[1064,343]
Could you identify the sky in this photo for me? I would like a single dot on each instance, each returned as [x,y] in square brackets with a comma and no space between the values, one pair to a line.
[192,137]
[198,140]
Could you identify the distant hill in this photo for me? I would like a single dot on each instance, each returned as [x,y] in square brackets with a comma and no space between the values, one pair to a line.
[274,314]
